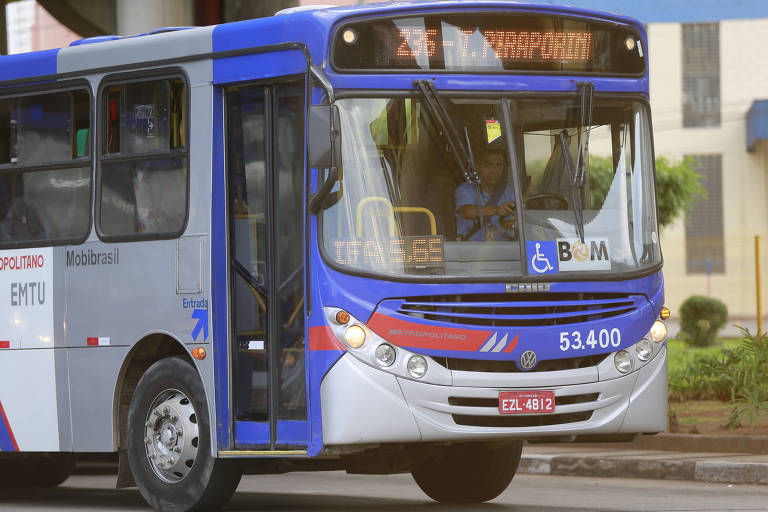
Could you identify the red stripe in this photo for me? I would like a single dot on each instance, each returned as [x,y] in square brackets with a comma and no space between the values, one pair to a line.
[322,338]
[5,344]
[512,345]
[413,335]
[92,341]
[8,427]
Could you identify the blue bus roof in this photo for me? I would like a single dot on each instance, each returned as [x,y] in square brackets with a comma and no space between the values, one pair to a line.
[312,28]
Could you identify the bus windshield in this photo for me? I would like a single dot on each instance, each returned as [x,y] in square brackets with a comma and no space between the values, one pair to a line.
[404,207]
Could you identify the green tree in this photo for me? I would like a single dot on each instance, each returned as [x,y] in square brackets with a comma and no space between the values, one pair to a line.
[678,185]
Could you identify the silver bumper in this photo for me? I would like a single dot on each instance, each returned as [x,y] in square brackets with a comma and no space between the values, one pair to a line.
[363,405]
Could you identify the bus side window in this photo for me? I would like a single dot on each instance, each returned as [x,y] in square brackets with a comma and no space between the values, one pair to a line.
[144,169]
[45,177]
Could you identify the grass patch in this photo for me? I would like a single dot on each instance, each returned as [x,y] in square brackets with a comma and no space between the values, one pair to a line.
[681,355]
[731,371]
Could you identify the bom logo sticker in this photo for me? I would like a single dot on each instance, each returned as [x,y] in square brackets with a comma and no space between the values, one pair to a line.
[592,254]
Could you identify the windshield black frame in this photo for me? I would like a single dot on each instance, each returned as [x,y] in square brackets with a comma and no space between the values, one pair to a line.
[523,276]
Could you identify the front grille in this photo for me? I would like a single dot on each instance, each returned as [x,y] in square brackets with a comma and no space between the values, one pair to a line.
[518,310]
[494,366]
[494,402]
[538,420]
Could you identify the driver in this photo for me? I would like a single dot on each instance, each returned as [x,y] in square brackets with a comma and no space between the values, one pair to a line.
[498,199]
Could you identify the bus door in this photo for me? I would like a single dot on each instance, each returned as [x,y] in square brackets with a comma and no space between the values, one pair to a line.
[265,173]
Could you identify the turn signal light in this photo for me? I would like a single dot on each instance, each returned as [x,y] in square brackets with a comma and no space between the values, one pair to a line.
[665,313]
[198,353]
[342,317]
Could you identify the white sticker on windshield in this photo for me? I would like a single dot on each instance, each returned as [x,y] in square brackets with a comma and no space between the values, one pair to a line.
[593,254]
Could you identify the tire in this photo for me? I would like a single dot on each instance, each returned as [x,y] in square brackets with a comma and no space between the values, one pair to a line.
[36,471]
[468,472]
[174,469]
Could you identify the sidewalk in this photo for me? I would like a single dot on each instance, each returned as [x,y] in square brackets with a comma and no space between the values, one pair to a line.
[699,458]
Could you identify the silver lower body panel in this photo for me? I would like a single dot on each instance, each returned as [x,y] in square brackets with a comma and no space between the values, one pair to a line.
[364,405]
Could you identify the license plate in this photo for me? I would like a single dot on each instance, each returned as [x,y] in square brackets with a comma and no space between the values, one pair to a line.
[526,402]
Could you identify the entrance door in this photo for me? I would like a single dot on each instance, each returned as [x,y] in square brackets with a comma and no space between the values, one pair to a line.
[265,164]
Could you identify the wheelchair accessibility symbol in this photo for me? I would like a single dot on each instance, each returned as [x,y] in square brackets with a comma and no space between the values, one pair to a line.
[542,257]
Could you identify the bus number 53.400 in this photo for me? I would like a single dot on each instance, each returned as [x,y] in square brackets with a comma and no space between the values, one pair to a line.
[576,340]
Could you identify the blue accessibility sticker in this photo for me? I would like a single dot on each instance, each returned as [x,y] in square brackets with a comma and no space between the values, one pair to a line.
[542,257]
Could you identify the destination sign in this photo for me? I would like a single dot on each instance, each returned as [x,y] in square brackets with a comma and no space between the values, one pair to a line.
[505,45]
[489,42]
[413,253]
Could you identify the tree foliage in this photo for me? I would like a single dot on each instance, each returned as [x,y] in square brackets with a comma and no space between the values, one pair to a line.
[678,185]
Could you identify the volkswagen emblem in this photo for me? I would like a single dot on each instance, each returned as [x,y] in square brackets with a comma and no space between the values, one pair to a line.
[528,360]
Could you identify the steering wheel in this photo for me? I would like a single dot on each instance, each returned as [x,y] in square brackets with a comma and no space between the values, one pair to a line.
[547,201]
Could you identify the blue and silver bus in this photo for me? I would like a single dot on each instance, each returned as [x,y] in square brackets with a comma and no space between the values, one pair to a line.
[389,238]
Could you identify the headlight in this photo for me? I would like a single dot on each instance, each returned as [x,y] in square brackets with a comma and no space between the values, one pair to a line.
[623,361]
[354,336]
[658,331]
[385,354]
[417,367]
[644,349]
[370,348]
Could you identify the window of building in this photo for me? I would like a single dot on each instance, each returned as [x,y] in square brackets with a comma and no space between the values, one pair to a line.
[704,240]
[45,168]
[701,74]
[144,162]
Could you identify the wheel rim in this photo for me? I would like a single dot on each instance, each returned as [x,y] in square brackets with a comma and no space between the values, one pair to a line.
[171,436]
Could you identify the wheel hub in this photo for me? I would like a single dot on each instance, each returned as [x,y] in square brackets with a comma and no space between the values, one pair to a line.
[171,436]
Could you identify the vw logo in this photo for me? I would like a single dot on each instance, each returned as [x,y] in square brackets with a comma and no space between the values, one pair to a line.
[528,360]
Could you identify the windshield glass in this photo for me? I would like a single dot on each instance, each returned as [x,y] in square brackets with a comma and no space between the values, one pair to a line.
[405,207]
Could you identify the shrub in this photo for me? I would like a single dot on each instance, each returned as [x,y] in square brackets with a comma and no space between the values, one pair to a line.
[701,318]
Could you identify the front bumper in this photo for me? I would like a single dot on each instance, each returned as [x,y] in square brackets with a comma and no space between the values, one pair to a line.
[363,405]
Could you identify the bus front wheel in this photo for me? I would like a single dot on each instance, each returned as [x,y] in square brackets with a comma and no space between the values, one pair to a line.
[169,442]
[468,472]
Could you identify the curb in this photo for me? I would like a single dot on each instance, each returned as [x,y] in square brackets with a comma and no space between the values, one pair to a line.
[663,469]
[702,443]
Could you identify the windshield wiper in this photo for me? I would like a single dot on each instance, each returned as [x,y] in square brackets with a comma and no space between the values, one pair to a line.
[460,150]
[578,171]
[461,154]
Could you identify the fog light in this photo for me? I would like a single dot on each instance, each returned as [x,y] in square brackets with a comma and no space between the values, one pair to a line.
[385,354]
[644,349]
[417,367]
[629,42]
[354,336]
[658,331]
[623,361]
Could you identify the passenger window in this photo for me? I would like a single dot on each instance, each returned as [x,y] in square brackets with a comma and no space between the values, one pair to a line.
[45,168]
[144,165]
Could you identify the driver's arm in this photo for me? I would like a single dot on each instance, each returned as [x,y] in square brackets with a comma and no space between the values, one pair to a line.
[469,211]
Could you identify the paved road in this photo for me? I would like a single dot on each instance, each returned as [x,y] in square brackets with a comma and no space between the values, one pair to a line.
[335,491]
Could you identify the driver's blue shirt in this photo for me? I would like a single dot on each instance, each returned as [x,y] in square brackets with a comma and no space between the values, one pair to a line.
[466,195]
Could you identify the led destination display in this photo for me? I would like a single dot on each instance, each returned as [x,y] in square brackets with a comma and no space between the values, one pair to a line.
[489,42]
[505,45]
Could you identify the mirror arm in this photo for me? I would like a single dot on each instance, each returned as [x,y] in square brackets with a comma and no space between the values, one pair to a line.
[316,203]
[322,78]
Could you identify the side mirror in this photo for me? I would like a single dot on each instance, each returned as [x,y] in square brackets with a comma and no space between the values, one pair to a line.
[324,137]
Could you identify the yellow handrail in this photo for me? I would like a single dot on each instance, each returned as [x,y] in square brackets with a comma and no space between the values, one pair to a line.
[359,214]
[420,209]
[392,224]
